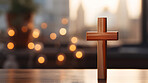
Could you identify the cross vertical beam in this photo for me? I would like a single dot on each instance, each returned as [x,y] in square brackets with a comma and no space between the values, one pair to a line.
[101,50]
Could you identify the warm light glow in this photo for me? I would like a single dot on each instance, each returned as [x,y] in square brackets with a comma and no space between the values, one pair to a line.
[74,39]
[24,29]
[91,8]
[74,4]
[44,25]
[79,54]
[10,45]
[31,45]
[41,60]
[38,47]
[36,33]
[11,32]
[112,5]
[53,36]
[64,21]
[60,57]
[134,8]
[63,31]
[72,47]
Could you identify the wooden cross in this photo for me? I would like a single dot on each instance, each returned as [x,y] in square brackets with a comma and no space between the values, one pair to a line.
[102,36]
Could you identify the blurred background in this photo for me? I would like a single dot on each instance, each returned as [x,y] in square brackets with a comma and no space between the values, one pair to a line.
[52,33]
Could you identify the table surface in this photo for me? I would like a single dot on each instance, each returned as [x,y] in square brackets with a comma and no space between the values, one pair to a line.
[72,76]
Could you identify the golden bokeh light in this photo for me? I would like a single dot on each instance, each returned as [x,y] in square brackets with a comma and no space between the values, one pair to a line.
[60,57]
[36,33]
[41,60]
[44,25]
[38,47]
[10,45]
[11,32]
[30,45]
[74,39]
[64,21]
[72,47]
[24,29]
[53,36]
[63,31]
[79,54]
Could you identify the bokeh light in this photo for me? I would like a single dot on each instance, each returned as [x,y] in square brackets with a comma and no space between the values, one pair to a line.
[44,25]
[30,45]
[11,32]
[53,36]
[60,57]
[10,45]
[79,54]
[38,47]
[72,47]
[63,31]
[64,21]
[74,39]
[36,33]
[41,59]
[24,29]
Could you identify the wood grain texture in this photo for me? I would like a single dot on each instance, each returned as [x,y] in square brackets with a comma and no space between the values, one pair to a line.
[101,36]
[101,59]
[101,50]
[95,36]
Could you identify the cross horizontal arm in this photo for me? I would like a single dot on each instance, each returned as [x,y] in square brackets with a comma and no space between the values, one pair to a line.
[102,36]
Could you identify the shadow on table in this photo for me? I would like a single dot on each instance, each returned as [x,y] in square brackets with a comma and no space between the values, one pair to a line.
[102,81]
